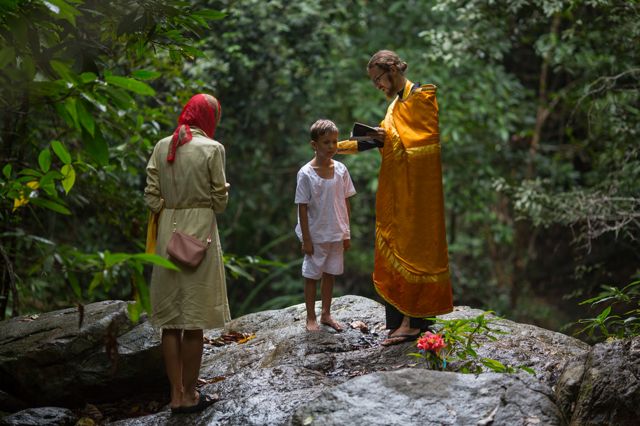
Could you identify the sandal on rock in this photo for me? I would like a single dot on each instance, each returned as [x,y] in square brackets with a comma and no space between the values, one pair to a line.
[400,338]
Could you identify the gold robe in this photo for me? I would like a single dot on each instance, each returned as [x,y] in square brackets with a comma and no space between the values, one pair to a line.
[411,269]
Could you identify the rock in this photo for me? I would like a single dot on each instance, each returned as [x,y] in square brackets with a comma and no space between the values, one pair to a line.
[53,416]
[285,368]
[282,374]
[10,403]
[48,360]
[424,397]
[603,387]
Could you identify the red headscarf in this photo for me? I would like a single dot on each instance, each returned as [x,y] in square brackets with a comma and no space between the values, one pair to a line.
[202,111]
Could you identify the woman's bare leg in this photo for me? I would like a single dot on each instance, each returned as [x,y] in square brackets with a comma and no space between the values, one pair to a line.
[192,346]
[171,351]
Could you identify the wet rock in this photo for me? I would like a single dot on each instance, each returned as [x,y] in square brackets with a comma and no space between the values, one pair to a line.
[603,387]
[264,396]
[424,397]
[53,416]
[544,351]
[283,370]
[48,360]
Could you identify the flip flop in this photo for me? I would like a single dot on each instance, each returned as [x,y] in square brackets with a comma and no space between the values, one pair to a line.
[204,401]
[177,410]
[400,338]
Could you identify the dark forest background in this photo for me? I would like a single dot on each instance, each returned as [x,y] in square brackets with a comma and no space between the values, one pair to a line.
[540,122]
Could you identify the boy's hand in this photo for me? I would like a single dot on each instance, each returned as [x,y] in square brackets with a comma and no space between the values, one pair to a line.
[346,244]
[307,247]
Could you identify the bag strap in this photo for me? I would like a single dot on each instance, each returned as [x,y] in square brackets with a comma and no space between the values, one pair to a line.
[175,194]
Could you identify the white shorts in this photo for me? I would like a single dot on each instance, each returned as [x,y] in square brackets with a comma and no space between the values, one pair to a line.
[326,257]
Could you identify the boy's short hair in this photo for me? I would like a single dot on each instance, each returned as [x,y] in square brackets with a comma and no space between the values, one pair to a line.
[322,127]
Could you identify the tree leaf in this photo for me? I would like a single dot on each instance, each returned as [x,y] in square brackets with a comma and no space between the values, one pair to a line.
[97,147]
[111,259]
[62,70]
[70,106]
[44,160]
[130,84]
[95,282]
[61,152]
[6,171]
[156,260]
[51,205]
[146,75]
[88,77]
[7,56]
[210,14]
[63,10]
[69,174]
[75,286]
[86,119]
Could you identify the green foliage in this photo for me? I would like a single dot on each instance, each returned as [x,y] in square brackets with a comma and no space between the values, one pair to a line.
[539,126]
[606,324]
[462,338]
[79,114]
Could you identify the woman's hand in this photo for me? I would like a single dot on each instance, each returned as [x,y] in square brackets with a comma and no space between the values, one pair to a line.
[346,244]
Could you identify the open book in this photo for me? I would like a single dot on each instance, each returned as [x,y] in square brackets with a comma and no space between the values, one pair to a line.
[362,132]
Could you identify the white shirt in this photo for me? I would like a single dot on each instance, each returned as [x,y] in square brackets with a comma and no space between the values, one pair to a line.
[325,198]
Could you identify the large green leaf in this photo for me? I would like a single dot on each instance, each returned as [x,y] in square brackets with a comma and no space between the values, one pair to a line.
[96,146]
[130,84]
[86,119]
[61,152]
[156,260]
[44,160]
[69,174]
[210,14]
[111,259]
[62,70]
[62,9]
[146,74]
[51,205]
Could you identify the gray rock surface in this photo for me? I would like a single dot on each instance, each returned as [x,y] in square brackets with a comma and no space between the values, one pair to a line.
[286,375]
[424,397]
[603,387]
[52,416]
[48,360]
[285,369]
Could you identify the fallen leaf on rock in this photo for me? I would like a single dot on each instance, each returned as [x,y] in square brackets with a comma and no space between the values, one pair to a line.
[29,318]
[92,411]
[360,326]
[215,379]
[85,421]
[231,337]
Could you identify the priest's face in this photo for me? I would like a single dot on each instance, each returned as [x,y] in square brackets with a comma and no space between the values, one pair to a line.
[389,81]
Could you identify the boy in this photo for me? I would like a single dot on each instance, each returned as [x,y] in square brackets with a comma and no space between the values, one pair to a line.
[322,192]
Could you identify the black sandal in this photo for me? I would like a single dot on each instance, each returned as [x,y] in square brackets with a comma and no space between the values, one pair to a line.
[204,401]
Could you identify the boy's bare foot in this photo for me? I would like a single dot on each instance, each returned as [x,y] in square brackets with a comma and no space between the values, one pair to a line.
[331,323]
[312,325]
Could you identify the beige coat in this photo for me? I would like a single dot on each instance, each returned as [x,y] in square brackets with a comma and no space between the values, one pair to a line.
[192,298]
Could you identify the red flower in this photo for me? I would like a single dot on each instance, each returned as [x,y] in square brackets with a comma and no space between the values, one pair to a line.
[431,342]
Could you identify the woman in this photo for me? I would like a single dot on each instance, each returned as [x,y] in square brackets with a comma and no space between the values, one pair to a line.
[411,265]
[186,188]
